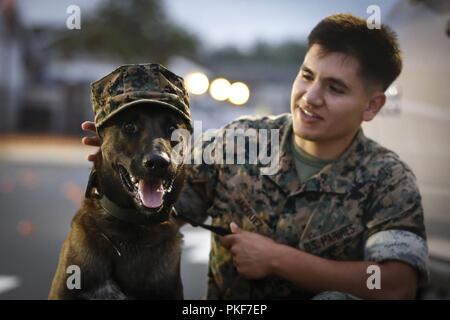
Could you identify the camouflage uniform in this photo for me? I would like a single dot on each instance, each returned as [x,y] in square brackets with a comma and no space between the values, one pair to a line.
[364,206]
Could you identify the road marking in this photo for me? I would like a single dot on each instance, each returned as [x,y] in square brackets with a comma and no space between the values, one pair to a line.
[8,283]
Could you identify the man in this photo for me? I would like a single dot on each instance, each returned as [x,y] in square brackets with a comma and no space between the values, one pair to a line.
[339,206]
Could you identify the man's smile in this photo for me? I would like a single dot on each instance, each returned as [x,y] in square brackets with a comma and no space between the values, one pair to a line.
[307,115]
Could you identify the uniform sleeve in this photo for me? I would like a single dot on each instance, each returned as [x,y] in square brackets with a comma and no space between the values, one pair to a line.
[399,245]
[199,188]
[394,223]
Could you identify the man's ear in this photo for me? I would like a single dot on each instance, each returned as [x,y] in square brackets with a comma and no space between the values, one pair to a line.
[374,106]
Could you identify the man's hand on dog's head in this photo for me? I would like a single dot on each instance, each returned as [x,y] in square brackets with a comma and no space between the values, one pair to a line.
[94,141]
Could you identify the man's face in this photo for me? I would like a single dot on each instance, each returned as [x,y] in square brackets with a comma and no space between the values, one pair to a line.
[329,99]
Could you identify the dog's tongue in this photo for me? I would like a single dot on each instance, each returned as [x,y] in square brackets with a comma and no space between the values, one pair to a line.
[151,193]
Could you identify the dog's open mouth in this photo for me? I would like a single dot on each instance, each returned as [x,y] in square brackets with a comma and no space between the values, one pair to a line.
[149,192]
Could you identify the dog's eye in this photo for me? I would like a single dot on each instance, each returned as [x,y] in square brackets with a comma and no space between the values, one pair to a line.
[129,128]
[171,129]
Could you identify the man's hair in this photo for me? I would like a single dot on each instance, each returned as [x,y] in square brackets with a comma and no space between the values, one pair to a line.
[376,50]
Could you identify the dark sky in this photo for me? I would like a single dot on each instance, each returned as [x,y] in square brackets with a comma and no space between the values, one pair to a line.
[223,22]
[241,22]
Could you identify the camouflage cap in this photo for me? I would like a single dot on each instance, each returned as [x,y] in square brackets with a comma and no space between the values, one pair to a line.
[138,83]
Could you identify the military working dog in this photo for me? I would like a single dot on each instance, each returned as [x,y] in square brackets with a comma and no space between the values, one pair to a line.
[124,240]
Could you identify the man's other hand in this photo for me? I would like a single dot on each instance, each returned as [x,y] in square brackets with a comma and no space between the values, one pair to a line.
[93,141]
[252,253]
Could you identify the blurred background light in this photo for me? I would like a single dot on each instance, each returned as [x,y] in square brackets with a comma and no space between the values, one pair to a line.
[392,91]
[239,93]
[220,89]
[197,83]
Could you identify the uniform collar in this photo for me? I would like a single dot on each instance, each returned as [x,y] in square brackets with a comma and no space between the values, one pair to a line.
[336,177]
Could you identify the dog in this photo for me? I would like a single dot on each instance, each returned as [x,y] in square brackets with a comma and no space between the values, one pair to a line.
[124,238]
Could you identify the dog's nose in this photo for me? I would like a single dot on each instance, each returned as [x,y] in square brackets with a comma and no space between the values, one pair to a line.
[156,162]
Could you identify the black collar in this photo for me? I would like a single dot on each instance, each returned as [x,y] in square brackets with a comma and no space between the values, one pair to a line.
[132,215]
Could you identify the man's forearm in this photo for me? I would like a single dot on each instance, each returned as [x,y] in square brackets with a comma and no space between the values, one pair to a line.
[317,274]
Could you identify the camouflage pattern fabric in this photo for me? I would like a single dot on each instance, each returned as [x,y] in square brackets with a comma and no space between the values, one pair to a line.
[400,245]
[334,295]
[331,215]
[137,83]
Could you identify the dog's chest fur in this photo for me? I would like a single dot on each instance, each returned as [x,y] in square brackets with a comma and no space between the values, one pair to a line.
[147,270]
[144,261]
[119,260]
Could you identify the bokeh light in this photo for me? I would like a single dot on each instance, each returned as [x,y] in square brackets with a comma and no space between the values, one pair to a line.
[220,89]
[239,93]
[26,228]
[197,83]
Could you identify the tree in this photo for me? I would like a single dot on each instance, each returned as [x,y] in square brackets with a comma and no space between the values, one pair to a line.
[289,52]
[132,31]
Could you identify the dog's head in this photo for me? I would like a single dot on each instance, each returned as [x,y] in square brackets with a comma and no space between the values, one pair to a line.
[135,167]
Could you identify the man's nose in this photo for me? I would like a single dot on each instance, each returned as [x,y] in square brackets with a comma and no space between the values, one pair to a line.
[313,95]
[156,162]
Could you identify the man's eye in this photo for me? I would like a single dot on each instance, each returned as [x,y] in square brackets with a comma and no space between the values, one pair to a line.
[129,128]
[336,90]
[307,76]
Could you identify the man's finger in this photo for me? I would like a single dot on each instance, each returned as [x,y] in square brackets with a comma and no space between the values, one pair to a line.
[234,250]
[91,157]
[234,228]
[227,241]
[88,126]
[91,141]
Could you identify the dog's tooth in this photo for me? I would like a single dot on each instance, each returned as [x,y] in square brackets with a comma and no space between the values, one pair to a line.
[133,179]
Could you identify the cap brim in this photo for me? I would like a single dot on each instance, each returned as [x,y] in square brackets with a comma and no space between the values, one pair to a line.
[140,101]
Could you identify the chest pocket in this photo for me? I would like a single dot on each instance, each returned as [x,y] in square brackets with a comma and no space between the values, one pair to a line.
[334,229]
